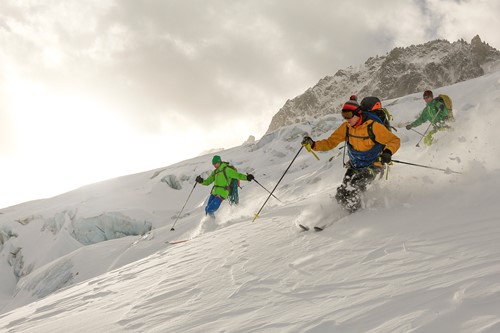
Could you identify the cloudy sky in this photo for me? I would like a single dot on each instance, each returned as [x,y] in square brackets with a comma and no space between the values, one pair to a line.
[95,89]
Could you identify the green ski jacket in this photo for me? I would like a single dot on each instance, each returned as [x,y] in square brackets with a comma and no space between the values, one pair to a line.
[429,114]
[222,177]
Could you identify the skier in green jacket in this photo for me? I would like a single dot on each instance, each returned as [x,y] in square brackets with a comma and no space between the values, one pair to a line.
[221,177]
[436,113]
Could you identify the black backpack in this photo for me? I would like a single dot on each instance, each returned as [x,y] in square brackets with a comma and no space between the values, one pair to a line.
[373,106]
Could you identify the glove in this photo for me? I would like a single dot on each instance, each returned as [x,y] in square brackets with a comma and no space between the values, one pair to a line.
[408,127]
[250,177]
[308,141]
[386,156]
[199,179]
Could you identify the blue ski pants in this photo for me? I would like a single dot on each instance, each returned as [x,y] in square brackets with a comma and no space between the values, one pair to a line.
[212,205]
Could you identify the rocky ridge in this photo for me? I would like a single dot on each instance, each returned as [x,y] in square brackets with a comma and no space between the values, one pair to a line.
[402,71]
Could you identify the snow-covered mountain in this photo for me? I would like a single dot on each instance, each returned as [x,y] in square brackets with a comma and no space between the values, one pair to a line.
[402,71]
[422,256]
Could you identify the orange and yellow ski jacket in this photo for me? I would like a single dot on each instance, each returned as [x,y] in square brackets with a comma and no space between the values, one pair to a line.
[363,151]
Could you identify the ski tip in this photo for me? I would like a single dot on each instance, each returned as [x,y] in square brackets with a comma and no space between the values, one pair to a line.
[303,227]
[319,228]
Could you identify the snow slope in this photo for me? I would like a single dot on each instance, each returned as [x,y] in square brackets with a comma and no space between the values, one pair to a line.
[423,256]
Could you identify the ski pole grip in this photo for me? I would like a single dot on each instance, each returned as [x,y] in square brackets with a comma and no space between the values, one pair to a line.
[309,149]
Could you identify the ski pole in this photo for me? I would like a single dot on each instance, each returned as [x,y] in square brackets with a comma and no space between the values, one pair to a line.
[335,156]
[428,167]
[184,206]
[309,149]
[257,215]
[417,132]
[255,180]
[431,123]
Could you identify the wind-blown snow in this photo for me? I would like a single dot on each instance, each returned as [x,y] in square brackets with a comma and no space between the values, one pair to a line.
[422,256]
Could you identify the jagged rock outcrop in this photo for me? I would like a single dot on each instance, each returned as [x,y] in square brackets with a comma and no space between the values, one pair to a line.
[402,71]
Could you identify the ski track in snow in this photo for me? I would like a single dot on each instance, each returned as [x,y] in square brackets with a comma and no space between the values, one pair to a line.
[231,286]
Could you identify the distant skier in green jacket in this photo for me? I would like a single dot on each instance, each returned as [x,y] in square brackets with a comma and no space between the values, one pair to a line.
[434,112]
[221,177]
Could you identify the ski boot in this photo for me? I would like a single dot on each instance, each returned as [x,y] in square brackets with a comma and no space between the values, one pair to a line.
[349,199]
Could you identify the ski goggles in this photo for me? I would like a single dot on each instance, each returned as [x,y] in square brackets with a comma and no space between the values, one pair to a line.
[348,114]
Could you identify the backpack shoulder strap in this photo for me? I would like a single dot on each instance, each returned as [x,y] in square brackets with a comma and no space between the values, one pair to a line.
[224,171]
[227,165]
[370,132]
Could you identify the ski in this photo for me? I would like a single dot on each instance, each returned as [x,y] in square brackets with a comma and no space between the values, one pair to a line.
[304,227]
[316,228]
[177,241]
